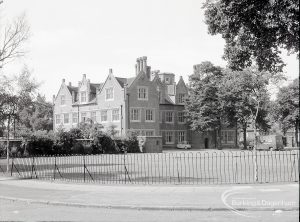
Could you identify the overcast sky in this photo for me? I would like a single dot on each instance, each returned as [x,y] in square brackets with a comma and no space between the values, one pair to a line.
[71,37]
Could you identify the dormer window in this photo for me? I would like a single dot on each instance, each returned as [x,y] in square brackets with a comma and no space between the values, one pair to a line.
[181,97]
[62,99]
[109,93]
[83,97]
[142,93]
[167,80]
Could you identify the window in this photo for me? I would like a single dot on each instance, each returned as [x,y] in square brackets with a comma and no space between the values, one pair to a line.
[62,99]
[180,116]
[103,115]
[149,115]
[57,119]
[75,117]
[115,115]
[93,116]
[169,137]
[169,117]
[181,136]
[142,93]
[83,97]
[227,137]
[109,93]
[83,117]
[167,79]
[149,132]
[181,98]
[135,115]
[66,118]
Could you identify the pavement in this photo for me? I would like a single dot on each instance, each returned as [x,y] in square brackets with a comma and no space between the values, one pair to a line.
[238,198]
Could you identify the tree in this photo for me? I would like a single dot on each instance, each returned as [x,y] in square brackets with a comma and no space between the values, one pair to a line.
[202,105]
[255,30]
[244,99]
[287,108]
[12,39]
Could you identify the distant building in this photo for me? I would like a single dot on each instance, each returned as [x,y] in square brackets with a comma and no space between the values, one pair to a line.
[151,103]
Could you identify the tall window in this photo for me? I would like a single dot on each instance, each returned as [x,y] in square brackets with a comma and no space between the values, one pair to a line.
[103,115]
[66,118]
[115,115]
[149,115]
[142,93]
[109,93]
[75,117]
[181,97]
[93,116]
[169,117]
[135,115]
[83,97]
[169,138]
[62,99]
[227,137]
[57,118]
[83,116]
[180,116]
[181,136]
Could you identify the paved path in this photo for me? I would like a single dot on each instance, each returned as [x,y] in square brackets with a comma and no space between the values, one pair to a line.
[264,197]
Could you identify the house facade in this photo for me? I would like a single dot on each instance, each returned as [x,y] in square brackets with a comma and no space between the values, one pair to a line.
[150,103]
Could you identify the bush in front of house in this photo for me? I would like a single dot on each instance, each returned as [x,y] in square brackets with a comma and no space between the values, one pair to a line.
[38,143]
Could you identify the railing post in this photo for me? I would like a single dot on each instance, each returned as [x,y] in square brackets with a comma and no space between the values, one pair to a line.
[54,167]
[83,168]
[12,166]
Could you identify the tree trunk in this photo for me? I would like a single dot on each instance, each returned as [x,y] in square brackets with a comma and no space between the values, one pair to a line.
[245,136]
[297,133]
[7,148]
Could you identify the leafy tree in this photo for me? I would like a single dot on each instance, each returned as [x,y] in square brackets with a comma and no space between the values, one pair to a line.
[202,105]
[255,30]
[287,108]
[244,99]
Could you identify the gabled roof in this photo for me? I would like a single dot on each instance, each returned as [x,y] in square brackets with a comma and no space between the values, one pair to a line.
[72,88]
[121,81]
[95,86]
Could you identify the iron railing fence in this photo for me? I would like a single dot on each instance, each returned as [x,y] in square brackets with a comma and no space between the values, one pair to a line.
[212,167]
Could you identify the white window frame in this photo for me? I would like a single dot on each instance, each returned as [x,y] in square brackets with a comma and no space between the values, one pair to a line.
[145,96]
[181,98]
[166,116]
[138,113]
[179,117]
[94,116]
[101,115]
[107,93]
[66,115]
[172,137]
[225,136]
[62,100]
[152,132]
[152,114]
[113,115]
[84,117]
[81,96]
[57,119]
[181,136]
[75,117]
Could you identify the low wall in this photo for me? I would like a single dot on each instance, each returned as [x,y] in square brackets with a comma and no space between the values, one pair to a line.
[150,144]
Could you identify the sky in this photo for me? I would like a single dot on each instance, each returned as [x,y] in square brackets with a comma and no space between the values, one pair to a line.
[70,38]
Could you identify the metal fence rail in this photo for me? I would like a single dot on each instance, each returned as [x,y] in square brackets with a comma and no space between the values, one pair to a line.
[217,167]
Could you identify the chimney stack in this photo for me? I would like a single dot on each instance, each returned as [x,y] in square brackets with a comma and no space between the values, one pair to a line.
[70,84]
[110,71]
[63,80]
[84,76]
[144,61]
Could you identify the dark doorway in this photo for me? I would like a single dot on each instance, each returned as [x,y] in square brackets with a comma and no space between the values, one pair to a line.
[206,143]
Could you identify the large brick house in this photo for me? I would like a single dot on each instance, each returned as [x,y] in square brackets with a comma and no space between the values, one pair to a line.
[151,103]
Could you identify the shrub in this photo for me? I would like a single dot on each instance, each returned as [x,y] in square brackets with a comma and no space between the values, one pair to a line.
[38,143]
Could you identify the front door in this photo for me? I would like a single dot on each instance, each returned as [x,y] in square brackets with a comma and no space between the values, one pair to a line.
[206,143]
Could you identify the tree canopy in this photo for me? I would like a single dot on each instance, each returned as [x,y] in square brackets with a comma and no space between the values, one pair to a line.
[255,31]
